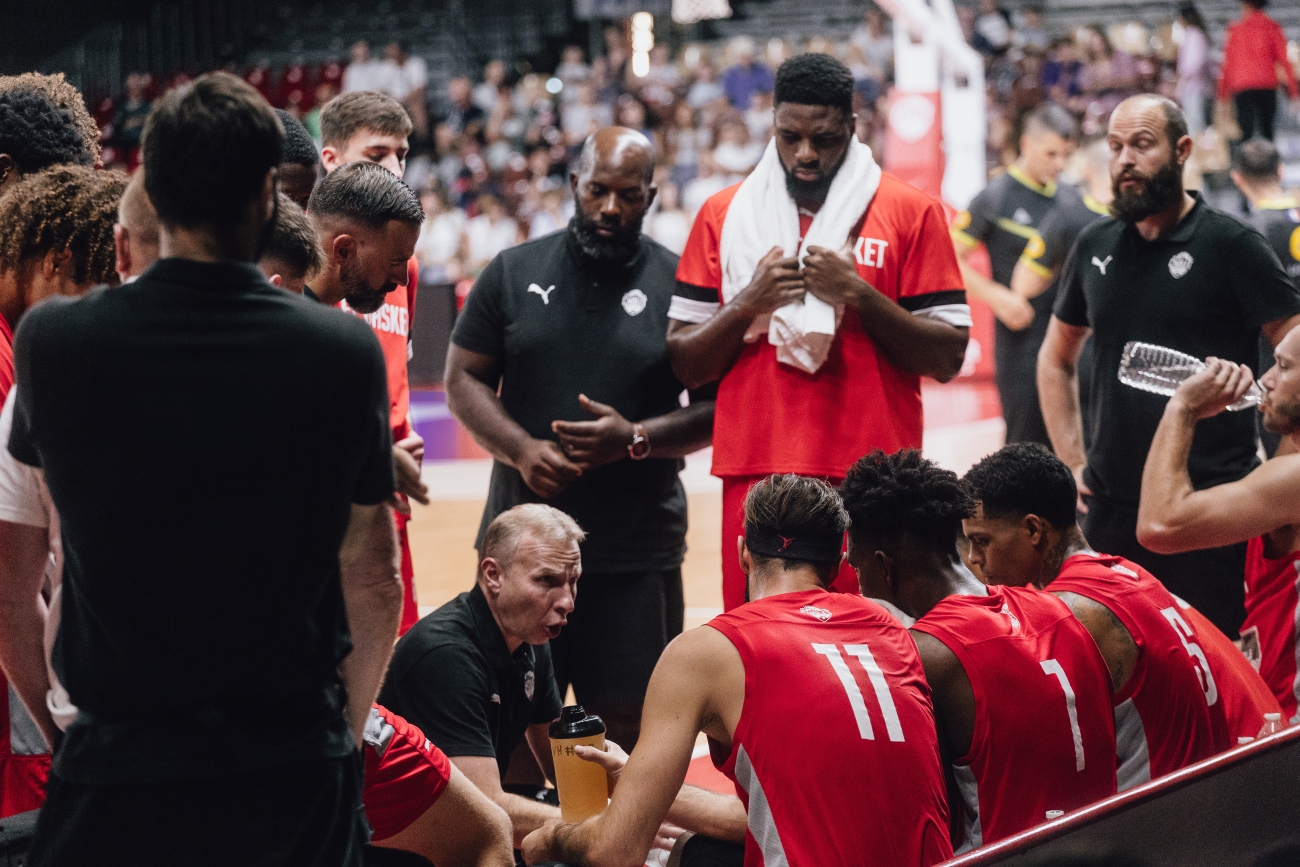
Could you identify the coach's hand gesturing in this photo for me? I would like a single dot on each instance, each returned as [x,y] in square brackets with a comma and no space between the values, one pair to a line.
[777,282]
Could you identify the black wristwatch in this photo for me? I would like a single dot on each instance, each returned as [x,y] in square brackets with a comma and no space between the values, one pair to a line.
[639,448]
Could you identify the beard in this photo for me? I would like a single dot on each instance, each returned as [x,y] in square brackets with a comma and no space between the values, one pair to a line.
[1282,417]
[360,295]
[614,250]
[1156,193]
[812,193]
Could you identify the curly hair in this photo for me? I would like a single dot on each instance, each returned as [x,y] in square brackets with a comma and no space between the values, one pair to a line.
[905,494]
[58,91]
[299,149]
[815,79]
[37,134]
[1024,479]
[69,208]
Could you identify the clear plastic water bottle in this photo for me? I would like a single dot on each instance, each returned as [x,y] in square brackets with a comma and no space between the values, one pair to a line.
[1272,724]
[1161,370]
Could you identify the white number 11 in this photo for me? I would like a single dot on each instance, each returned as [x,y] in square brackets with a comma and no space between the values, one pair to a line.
[892,724]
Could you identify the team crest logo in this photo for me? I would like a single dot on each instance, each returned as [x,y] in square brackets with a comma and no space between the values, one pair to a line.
[1180,264]
[813,611]
[634,301]
[530,684]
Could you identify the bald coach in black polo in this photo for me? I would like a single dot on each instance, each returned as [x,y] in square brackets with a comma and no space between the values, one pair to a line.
[571,329]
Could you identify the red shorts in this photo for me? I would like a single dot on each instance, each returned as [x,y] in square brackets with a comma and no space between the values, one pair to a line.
[410,607]
[405,773]
[734,489]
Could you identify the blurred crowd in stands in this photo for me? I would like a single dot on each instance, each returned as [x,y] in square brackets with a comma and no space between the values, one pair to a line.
[490,156]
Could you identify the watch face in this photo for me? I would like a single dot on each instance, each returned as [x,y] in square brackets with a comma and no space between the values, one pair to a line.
[639,449]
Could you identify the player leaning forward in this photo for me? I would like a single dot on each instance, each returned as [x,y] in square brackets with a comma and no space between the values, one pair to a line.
[817,284]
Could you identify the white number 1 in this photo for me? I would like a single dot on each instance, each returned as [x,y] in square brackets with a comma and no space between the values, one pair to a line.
[877,677]
[1052,667]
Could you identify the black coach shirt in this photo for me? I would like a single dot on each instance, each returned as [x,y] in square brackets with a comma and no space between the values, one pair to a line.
[203,619]
[454,677]
[1204,289]
[562,327]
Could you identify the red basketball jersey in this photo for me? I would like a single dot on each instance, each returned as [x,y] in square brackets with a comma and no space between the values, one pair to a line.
[1163,718]
[1272,610]
[1244,698]
[835,754]
[1044,735]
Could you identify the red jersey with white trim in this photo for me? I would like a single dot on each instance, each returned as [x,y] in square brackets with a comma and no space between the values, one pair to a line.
[837,713]
[773,418]
[392,325]
[1044,735]
[1268,636]
[1244,697]
[1163,716]
[405,773]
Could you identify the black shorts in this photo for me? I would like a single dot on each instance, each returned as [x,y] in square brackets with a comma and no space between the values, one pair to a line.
[307,814]
[620,625]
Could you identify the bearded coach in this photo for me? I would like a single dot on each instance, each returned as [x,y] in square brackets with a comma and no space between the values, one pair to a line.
[817,293]
[558,367]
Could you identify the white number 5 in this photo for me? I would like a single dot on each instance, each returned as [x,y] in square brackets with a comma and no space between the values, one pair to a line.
[1193,649]
[1052,667]
[892,724]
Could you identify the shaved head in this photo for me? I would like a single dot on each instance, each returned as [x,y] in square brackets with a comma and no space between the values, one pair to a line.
[136,213]
[617,148]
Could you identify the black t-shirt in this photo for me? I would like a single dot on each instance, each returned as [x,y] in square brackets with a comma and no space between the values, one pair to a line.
[1057,234]
[1204,289]
[204,435]
[1005,217]
[561,328]
[454,677]
[1278,220]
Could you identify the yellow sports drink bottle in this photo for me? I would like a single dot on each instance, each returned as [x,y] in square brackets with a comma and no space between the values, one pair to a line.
[584,789]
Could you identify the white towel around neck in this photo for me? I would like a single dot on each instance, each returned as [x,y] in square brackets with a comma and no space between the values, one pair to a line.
[762,216]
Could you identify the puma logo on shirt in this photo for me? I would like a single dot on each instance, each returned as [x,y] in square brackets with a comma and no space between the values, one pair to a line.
[1101,264]
[545,293]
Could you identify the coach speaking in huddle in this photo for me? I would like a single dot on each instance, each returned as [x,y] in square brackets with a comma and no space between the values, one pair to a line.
[572,329]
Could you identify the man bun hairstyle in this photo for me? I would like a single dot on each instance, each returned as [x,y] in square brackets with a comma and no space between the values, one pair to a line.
[299,149]
[59,91]
[37,134]
[815,79]
[796,519]
[1257,160]
[905,494]
[350,113]
[207,148]
[64,208]
[293,243]
[365,193]
[1024,479]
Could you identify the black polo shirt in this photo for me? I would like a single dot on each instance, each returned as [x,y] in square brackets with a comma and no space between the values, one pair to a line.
[1205,289]
[1046,254]
[453,676]
[1278,220]
[561,326]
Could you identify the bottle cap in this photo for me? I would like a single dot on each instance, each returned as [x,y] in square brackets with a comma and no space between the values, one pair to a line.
[574,722]
[1273,717]
[1055,814]
[1245,740]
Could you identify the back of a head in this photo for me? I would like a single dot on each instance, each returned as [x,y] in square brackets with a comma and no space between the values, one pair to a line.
[1257,161]
[535,520]
[136,213]
[36,133]
[293,246]
[797,520]
[64,208]
[364,194]
[60,91]
[299,149]
[350,113]
[815,79]
[1051,118]
[903,494]
[1024,479]
[208,147]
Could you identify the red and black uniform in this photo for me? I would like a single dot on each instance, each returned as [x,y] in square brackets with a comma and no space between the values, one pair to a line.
[24,756]
[1164,713]
[837,712]
[405,773]
[392,325]
[1044,736]
[774,418]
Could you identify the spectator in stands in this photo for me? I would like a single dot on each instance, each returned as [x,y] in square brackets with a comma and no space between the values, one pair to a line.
[993,27]
[549,217]
[464,118]
[746,75]
[301,162]
[1193,88]
[669,224]
[292,253]
[584,115]
[1060,72]
[412,77]
[708,180]
[1032,35]
[735,153]
[487,91]
[128,120]
[572,70]
[705,88]
[438,247]
[487,234]
[36,134]
[1109,76]
[367,73]
[874,39]
[1253,51]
